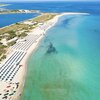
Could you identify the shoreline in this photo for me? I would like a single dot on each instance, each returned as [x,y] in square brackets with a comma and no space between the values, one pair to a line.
[2,5]
[20,21]
[32,49]
[20,11]
[21,75]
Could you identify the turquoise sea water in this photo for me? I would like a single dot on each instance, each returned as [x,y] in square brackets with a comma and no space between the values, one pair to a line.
[73,73]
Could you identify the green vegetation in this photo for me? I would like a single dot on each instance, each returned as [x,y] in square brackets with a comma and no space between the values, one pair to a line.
[23,34]
[19,30]
[11,43]
[17,23]
[2,52]
[3,4]
[18,11]
[12,34]
[2,57]
[43,18]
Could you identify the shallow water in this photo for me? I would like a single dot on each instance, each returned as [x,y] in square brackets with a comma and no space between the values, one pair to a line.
[73,72]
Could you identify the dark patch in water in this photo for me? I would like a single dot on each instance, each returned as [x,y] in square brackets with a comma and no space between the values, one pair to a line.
[96,31]
[51,49]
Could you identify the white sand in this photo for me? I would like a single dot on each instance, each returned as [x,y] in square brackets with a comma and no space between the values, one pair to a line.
[21,75]
[51,23]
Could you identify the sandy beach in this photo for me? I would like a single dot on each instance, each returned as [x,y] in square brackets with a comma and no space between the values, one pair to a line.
[22,73]
[51,23]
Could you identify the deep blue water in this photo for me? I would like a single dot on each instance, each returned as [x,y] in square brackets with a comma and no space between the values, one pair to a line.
[90,7]
[8,19]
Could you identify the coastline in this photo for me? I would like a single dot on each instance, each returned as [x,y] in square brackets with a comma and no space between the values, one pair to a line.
[20,12]
[19,22]
[34,47]
[2,5]
[21,75]
[29,52]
